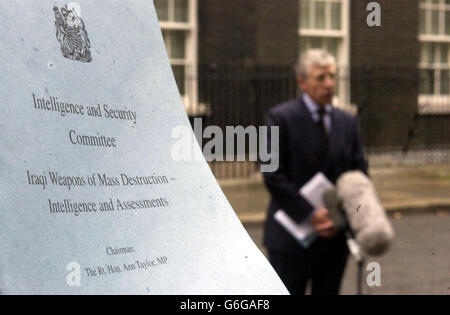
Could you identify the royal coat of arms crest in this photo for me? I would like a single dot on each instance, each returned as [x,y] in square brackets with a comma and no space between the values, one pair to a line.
[72,35]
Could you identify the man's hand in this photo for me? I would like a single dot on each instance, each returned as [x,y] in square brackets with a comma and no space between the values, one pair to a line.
[322,223]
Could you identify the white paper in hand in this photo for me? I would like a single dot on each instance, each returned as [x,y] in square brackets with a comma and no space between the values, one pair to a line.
[303,233]
[313,190]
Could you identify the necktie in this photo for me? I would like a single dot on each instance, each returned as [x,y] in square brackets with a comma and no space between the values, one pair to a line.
[321,122]
[323,136]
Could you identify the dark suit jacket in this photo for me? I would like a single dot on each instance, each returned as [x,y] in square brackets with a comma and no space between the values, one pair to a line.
[299,162]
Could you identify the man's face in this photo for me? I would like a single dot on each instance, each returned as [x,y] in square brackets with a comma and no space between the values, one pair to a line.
[319,84]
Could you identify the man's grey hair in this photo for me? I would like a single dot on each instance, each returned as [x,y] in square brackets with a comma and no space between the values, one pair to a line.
[313,57]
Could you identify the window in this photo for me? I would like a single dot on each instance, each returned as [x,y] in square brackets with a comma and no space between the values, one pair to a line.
[434,68]
[178,21]
[325,24]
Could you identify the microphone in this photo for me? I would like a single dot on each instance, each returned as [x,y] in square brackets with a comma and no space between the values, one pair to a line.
[364,212]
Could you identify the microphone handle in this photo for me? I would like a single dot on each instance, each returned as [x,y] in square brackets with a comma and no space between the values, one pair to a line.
[353,246]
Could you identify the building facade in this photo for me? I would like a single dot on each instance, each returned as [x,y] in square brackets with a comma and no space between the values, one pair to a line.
[234,59]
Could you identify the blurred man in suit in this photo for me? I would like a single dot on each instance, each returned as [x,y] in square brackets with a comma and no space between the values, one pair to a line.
[314,137]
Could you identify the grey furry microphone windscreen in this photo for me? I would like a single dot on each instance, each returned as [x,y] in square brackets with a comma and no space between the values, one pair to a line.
[365,214]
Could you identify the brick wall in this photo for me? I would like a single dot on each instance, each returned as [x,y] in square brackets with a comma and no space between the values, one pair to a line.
[276,33]
[246,52]
[251,32]
[384,70]
[227,31]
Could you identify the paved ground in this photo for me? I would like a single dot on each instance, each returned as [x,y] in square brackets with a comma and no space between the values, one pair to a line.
[418,262]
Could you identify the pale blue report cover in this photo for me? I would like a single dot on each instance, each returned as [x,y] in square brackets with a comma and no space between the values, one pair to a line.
[91,198]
